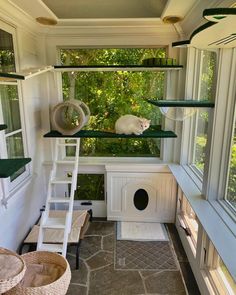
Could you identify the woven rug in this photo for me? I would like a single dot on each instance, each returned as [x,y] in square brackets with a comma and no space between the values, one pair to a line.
[148,255]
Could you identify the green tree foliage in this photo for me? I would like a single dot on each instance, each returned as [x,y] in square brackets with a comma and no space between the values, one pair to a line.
[110,95]
[207,92]
[231,192]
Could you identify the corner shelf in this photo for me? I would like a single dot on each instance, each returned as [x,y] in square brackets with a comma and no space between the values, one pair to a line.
[10,166]
[113,68]
[104,134]
[183,103]
[3,126]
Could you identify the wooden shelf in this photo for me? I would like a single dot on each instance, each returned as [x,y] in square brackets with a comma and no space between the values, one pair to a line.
[104,134]
[3,126]
[182,103]
[113,68]
[10,166]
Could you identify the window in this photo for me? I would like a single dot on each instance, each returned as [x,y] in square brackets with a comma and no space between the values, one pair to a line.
[205,91]
[112,94]
[217,272]
[231,188]
[90,187]
[10,113]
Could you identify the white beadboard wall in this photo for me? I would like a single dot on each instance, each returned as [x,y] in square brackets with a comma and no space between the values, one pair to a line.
[28,198]
[160,187]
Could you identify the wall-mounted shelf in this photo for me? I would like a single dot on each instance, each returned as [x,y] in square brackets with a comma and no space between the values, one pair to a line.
[10,166]
[29,73]
[113,68]
[104,134]
[25,74]
[3,126]
[182,103]
[218,32]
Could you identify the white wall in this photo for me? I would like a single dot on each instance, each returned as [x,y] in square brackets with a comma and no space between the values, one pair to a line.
[25,202]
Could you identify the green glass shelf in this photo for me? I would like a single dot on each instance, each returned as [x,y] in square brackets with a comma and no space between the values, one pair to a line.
[10,166]
[112,68]
[3,126]
[103,134]
[182,103]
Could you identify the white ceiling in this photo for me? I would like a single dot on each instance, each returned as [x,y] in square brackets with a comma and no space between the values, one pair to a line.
[74,9]
[83,12]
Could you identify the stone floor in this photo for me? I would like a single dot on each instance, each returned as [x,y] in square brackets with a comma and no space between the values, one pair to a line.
[98,276]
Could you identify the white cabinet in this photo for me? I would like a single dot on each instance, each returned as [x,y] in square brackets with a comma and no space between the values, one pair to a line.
[141,196]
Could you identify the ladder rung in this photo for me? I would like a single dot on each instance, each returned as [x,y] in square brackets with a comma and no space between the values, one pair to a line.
[68,144]
[59,200]
[61,180]
[70,162]
[51,247]
[53,222]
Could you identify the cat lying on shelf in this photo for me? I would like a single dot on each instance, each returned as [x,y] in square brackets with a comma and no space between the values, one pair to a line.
[130,124]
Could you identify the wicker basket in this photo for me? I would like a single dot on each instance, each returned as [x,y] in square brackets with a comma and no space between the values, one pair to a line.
[8,284]
[58,287]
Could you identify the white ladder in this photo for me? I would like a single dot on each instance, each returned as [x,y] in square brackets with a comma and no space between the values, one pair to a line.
[58,177]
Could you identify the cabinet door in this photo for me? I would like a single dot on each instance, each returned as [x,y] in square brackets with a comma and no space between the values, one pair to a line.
[141,197]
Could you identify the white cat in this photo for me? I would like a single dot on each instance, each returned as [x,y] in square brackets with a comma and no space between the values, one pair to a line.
[129,124]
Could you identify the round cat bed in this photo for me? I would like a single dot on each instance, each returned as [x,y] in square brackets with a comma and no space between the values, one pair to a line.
[69,117]
[12,269]
[39,283]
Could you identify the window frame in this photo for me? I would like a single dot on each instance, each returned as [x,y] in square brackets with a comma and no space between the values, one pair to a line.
[168,76]
[210,266]
[195,57]
[226,203]
[9,187]
[215,187]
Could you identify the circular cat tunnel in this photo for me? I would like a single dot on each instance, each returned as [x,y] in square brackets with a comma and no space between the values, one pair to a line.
[70,116]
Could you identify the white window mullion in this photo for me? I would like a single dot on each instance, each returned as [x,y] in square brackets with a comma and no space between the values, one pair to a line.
[215,181]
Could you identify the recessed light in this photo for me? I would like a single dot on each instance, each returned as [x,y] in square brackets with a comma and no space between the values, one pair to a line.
[46,21]
[171,19]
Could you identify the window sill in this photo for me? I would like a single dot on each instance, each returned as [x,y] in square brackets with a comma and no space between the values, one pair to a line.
[219,233]
[99,164]
[194,175]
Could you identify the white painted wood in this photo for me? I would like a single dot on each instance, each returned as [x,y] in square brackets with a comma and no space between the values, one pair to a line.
[133,167]
[65,180]
[161,189]
[59,223]
[58,200]
[52,222]
[51,247]
[219,233]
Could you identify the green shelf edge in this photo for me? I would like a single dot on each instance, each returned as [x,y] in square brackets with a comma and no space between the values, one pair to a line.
[3,126]
[10,166]
[118,67]
[12,76]
[104,134]
[182,103]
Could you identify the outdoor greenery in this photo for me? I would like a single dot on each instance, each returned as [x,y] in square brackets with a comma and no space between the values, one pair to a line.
[206,92]
[231,192]
[90,187]
[110,95]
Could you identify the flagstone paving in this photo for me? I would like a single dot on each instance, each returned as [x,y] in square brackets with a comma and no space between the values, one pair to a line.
[97,274]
